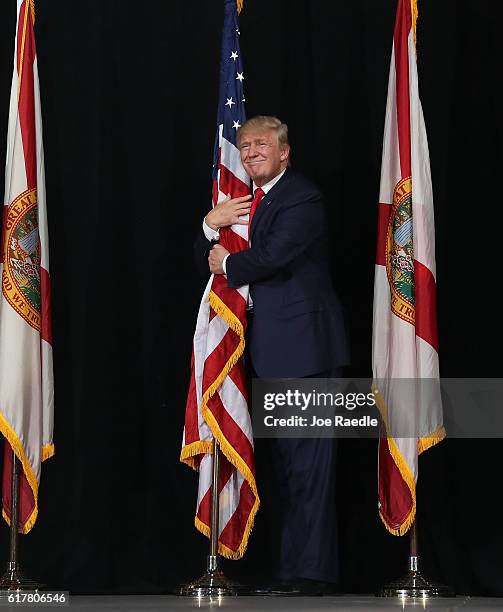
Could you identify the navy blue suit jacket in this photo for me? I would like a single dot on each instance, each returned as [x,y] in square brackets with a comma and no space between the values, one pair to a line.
[298,327]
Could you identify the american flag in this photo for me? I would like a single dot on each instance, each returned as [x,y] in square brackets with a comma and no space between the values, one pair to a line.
[217,403]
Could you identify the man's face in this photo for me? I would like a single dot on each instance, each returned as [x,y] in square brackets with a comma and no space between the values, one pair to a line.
[262,156]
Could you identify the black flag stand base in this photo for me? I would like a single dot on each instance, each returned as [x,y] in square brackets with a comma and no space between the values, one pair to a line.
[14,579]
[414,585]
[213,583]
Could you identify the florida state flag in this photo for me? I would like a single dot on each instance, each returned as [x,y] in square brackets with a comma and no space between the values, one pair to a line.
[405,339]
[26,376]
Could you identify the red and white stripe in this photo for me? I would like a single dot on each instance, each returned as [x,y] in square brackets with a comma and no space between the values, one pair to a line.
[217,404]
[26,373]
[401,349]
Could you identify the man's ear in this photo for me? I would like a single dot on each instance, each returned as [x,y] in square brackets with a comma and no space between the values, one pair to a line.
[285,152]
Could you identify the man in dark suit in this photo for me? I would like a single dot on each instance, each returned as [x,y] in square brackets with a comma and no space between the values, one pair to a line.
[296,330]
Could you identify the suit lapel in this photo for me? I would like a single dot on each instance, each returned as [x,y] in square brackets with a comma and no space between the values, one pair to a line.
[268,200]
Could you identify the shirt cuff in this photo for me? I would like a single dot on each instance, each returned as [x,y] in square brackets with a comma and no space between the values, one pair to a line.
[224,263]
[209,232]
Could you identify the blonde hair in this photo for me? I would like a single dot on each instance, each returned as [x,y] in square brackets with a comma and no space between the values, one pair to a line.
[265,122]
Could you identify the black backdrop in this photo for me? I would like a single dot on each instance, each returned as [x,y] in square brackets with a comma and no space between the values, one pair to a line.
[129,98]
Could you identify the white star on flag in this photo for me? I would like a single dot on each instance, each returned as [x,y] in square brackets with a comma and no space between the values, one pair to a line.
[236,125]
[229,102]
[234,56]
[240,76]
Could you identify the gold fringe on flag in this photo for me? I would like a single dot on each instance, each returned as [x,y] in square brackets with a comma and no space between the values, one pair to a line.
[23,43]
[415,13]
[204,446]
[423,444]
[239,5]
[47,451]
[32,8]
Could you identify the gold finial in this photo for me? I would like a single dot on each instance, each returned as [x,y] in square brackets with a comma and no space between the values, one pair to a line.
[239,5]
[415,13]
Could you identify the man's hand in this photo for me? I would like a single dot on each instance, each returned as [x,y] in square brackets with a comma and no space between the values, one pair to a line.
[215,259]
[227,212]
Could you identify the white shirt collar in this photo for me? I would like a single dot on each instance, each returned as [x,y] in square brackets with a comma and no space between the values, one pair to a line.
[268,186]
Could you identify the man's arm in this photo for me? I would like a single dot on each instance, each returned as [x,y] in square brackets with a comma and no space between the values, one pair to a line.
[228,212]
[295,228]
[201,248]
[225,213]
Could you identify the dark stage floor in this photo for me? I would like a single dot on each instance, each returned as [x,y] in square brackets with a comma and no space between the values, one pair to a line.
[138,603]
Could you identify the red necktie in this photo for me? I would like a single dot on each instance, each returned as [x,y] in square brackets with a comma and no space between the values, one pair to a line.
[259,194]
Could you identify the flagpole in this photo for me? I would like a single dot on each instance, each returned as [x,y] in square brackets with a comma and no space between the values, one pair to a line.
[414,585]
[215,507]
[213,583]
[14,579]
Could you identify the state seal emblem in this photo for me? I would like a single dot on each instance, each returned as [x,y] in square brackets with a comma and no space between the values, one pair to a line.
[21,257]
[400,253]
